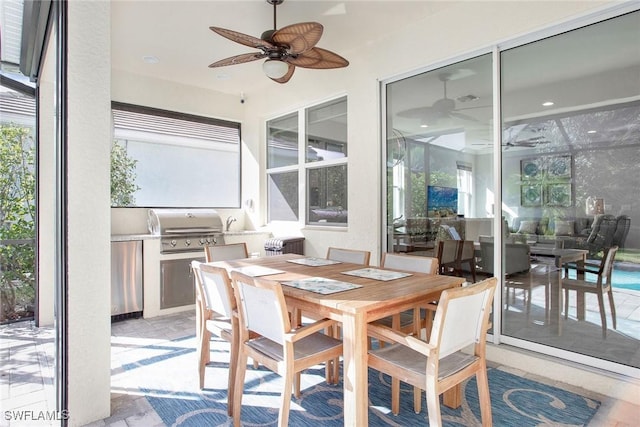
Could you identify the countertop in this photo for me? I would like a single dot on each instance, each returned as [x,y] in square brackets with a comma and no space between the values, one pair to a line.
[129,237]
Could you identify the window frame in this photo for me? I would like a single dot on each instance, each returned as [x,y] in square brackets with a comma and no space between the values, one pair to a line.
[303,165]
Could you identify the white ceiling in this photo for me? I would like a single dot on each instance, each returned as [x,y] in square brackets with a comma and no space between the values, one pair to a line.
[178,34]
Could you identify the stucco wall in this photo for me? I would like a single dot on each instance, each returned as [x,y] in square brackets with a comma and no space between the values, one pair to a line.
[89,133]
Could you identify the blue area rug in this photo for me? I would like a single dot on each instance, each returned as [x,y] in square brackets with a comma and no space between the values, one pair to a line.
[167,375]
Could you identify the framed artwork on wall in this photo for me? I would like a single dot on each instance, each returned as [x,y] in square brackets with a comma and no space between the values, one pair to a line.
[559,195]
[530,169]
[559,167]
[531,195]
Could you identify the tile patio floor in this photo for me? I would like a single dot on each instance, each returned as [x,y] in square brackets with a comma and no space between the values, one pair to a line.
[26,378]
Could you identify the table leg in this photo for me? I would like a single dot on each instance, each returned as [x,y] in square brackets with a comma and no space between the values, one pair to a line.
[580,300]
[356,389]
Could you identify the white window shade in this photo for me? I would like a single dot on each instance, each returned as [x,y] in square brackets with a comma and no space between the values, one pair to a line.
[181,160]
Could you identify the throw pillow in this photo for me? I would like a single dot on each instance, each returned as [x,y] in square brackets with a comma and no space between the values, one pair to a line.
[528,227]
[564,228]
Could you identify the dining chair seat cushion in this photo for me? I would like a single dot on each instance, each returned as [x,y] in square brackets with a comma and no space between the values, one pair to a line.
[305,347]
[406,358]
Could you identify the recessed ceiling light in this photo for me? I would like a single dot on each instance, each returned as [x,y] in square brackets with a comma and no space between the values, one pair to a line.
[150,59]
[547,104]
[592,131]
[424,126]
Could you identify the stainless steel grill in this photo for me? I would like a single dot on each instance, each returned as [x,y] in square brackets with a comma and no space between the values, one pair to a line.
[185,230]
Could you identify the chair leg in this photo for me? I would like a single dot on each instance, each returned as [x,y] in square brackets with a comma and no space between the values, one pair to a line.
[336,371]
[484,397]
[603,315]
[395,395]
[296,386]
[233,366]
[241,370]
[613,309]
[417,399]
[472,267]
[285,401]
[204,354]
[566,303]
[433,403]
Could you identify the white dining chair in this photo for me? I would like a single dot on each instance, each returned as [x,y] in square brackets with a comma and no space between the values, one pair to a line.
[418,264]
[410,321]
[225,252]
[276,344]
[461,321]
[215,314]
[353,256]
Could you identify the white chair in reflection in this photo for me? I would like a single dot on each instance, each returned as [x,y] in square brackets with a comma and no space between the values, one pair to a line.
[226,252]
[462,320]
[601,286]
[353,256]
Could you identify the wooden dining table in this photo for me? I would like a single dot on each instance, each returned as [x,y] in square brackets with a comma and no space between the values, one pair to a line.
[354,308]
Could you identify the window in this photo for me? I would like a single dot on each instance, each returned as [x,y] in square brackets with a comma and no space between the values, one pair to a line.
[322,138]
[465,188]
[166,159]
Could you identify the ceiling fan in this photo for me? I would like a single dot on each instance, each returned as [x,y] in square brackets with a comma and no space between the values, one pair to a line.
[443,108]
[511,139]
[285,49]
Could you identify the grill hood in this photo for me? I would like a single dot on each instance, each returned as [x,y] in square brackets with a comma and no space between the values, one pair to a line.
[184,221]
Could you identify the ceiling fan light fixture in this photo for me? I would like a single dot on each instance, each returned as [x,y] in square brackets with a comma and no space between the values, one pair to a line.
[274,68]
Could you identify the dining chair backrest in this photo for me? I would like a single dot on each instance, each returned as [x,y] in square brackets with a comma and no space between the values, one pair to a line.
[606,267]
[349,255]
[466,250]
[216,288]
[418,264]
[447,251]
[261,306]
[462,317]
[226,252]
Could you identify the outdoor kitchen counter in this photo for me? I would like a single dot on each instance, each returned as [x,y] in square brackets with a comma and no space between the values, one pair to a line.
[129,237]
[153,259]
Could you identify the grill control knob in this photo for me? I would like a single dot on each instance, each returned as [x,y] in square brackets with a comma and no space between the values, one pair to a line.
[187,242]
[173,243]
[208,240]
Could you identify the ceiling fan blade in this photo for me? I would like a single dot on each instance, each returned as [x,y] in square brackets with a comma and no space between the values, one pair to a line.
[287,76]
[238,59]
[462,116]
[318,58]
[298,37]
[423,113]
[241,38]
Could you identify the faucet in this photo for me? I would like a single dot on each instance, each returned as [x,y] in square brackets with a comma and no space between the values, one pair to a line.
[230,220]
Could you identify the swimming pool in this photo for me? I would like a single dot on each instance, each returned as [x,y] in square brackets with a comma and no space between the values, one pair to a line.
[621,278]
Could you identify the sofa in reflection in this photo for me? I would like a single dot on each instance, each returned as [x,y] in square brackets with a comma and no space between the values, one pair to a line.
[593,234]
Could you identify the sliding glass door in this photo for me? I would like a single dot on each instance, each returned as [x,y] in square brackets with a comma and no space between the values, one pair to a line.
[570,179]
[569,149]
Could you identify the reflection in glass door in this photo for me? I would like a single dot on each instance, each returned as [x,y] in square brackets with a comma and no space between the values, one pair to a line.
[570,178]
[439,160]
